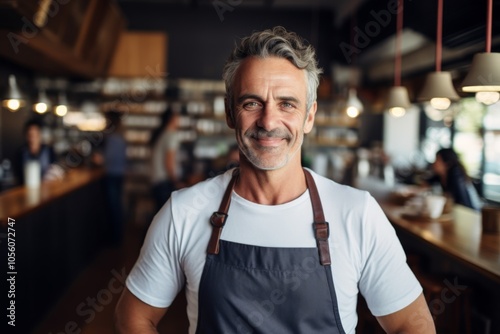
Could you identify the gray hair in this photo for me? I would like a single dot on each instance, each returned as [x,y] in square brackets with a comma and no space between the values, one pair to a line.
[275,42]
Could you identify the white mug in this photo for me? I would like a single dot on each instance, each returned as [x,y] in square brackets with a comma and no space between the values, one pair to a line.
[435,205]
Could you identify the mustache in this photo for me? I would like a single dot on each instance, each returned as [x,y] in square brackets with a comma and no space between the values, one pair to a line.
[260,133]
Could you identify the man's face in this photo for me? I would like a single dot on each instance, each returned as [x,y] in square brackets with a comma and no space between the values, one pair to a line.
[270,117]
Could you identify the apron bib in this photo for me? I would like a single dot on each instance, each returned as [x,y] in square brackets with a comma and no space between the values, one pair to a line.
[252,289]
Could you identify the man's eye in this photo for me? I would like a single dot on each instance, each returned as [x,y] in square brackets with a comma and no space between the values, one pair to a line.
[251,105]
[287,105]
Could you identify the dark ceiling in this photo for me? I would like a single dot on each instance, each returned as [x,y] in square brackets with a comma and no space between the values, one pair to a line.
[464,28]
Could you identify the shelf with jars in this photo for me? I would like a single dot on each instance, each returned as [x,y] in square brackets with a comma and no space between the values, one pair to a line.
[333,128]
[203,131]
[330,148]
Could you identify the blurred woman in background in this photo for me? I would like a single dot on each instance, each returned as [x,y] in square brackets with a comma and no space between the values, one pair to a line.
[454,180]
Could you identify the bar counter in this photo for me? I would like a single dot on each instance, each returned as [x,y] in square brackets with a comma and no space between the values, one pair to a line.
[458,234]
[20,201]
[451,248]
[56,231]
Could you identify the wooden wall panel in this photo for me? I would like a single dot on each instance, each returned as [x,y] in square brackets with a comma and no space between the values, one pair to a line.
[140,54]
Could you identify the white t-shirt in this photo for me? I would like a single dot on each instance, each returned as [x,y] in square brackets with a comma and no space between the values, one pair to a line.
[365,251]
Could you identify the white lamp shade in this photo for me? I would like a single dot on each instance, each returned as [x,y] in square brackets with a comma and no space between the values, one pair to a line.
[398,98]
[13,99]
[353,105]
[438,85]
[484,73]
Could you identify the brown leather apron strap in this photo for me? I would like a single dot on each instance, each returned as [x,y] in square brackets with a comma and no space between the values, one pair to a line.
[218,218]
[321,227]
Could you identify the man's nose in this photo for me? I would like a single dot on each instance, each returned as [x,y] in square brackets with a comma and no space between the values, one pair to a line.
[268,118]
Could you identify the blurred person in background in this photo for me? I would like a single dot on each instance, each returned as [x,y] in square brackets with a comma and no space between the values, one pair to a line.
[165,170]
[454,180]
[113,157]
[35,150]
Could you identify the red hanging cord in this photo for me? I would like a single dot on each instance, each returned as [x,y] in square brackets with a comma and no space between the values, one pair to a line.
[399,28]
[488,25]
[439,36]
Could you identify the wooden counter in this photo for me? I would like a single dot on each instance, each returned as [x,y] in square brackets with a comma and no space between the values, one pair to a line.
[452,249]
[458,233]
[20,201]
[57,230]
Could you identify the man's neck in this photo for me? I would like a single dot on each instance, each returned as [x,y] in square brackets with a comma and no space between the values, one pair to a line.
[271,187]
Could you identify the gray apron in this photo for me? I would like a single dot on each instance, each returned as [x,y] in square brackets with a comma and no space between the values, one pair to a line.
[251,289]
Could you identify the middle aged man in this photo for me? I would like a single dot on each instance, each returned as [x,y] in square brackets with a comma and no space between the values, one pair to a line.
[252,246]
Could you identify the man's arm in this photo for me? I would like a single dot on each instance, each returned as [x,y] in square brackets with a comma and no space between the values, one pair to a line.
[413,319]
[134,316]
[170,165]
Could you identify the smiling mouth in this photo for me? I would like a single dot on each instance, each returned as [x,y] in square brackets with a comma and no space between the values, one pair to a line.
[268,141]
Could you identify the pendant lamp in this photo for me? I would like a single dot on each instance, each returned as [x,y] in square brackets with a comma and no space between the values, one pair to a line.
[398,100]
[354,105]
[13,99]
[62,108]
[484,74]
[438,87]
[43,102]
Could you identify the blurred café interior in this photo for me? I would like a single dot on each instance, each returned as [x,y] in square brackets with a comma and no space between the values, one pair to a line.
[397,86]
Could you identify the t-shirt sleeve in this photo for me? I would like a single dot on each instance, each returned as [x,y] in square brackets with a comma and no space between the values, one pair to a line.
[387,283]
[157,276]
[172,141]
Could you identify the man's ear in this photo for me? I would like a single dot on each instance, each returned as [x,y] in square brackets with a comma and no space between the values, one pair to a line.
[310,118]
[229,114]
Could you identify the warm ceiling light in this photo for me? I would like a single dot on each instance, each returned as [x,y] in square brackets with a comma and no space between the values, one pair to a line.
[487,97]
[354,105]
[439,90]
[484,74]
[438,87]
[398,100]
[62,108]
[43,103]
[13,98]
[397,112]
[40,107]
[440,103]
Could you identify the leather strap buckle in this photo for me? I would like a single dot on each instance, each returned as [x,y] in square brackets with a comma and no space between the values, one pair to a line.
[321,231]
[218,219]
